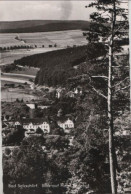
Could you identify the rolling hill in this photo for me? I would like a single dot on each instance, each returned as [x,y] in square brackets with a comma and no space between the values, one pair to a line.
[27,26]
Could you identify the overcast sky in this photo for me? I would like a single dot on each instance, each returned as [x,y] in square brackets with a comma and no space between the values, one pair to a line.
[28,10]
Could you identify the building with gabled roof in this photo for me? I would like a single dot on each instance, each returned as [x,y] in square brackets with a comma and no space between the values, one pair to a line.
[66,124]
[34,124]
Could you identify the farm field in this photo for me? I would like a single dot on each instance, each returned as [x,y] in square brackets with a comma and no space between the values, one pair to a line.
[9,95]
[20,90]
[17,77]
[61,38]
[15,80]
[26,70]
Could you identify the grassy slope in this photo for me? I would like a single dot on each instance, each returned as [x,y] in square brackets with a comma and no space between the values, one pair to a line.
[41,26]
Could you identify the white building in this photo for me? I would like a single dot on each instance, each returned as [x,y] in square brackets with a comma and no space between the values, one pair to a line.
[17,123]
[33,124]
[70,94]
[125,132]
[66,125]
[31,106]
[42,107]
[78,90]
[71,139]
[60,92]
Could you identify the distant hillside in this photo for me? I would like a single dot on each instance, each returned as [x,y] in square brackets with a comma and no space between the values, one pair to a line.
[42,26]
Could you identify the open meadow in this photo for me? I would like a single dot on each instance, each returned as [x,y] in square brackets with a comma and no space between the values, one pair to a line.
[13,89]
[61,38]
[10,95]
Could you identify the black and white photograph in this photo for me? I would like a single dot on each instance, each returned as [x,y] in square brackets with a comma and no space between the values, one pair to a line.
[65,97]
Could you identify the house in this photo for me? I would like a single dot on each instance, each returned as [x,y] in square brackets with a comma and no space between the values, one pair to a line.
[31,105]
[66,125]
[32,86]
[31,132]
[34,124]
[71,139]
[17,123]
[43,107]
[76,66]
[60,92]
[60,112]
[70,94]
[125,132]
[78,90]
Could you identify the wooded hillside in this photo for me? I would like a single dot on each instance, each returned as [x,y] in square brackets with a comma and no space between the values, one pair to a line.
[41,26]
[55,66]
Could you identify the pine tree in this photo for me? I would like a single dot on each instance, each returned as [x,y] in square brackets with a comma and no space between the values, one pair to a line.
[109,25]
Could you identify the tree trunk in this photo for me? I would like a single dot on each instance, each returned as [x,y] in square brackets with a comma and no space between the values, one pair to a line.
[110,117]
[1,170]
[112,156]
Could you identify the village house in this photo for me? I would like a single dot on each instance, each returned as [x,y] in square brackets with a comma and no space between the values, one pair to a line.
[60,92]
[78,90]
[71,138]
[70,94]
[43,107]
[32,86]
[125,132]
[66,124]
[34,124]
[60,113]
[38,105]
[17,123]
[31,105]
[32,132]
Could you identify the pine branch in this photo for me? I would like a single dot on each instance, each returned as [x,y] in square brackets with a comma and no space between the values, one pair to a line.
[94,89]
[122,88]
[120,82]
[120,66]
[102,76]
[98,92]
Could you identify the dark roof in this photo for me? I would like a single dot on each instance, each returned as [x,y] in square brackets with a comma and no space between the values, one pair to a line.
[62,119]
